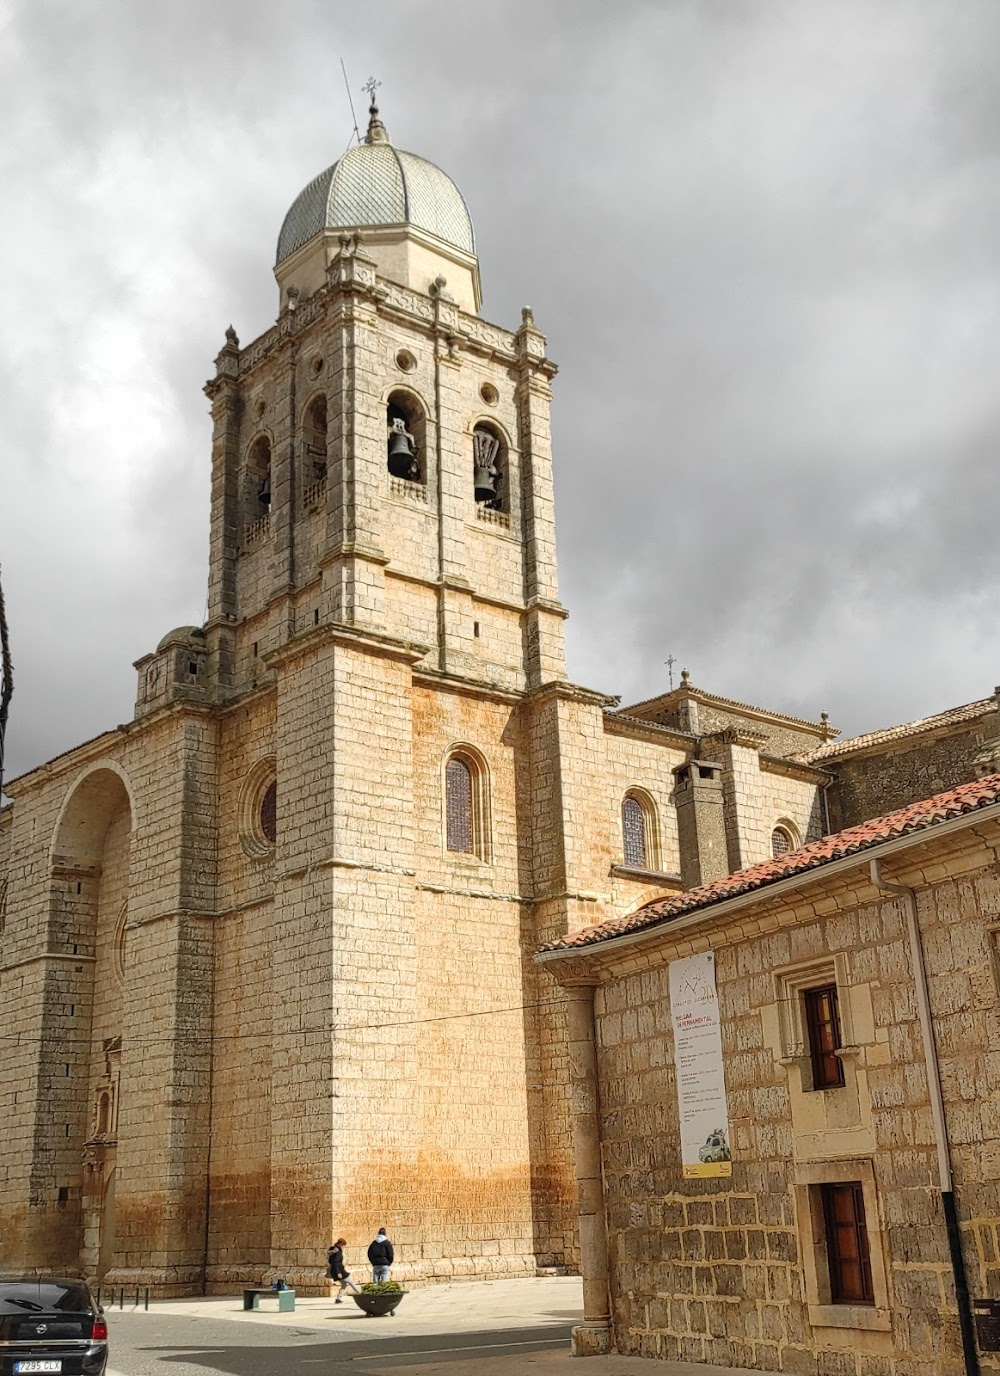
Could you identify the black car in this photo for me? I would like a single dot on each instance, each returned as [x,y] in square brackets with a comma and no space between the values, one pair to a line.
[51,1325]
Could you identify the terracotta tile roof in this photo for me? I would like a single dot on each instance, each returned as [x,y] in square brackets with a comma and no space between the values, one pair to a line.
[954,716]
[917,817]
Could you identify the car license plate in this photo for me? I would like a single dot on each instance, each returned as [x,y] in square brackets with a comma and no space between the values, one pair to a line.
[25,1367]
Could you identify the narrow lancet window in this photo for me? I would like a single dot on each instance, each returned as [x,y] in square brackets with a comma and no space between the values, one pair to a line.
[634,834]
[458,806]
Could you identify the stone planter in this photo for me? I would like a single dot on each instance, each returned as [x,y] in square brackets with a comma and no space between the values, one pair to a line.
[378,1306]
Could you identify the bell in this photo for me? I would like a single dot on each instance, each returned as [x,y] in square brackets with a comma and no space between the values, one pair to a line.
[484,485]
[264,492]
[402,452]
[485,448]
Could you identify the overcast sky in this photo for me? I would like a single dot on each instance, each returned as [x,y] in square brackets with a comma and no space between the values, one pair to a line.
[762,239]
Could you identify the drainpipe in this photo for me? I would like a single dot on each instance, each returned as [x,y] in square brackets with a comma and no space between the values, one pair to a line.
[937,1115]
[592,1337]
[825,792]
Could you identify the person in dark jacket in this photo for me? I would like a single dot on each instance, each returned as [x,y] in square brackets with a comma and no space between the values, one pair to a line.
[336,1269]
[380,1255]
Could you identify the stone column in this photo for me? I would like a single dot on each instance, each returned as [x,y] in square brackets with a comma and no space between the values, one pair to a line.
[227,411]
[592,1337]
[354,564]
[454,482]
[544,640]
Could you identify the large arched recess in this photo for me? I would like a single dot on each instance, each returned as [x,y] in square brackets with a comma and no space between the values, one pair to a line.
[81,1044]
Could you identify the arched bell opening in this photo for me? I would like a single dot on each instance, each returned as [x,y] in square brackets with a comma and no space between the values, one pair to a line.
[406,437]
[82,1045]
[258,479]
[315,440]
[490,467]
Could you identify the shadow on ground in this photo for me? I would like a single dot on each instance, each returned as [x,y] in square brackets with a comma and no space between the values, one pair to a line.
[370,1356]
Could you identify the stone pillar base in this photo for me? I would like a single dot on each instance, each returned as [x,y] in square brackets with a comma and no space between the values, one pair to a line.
[591,1339]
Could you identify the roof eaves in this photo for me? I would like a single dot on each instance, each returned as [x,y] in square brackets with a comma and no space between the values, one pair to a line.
[896,833]
[905,731]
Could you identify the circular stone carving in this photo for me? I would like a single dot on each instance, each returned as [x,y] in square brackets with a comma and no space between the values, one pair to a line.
[258,810]
[405,361]
[489,394]
[118,945]
[316,366]
[260,408]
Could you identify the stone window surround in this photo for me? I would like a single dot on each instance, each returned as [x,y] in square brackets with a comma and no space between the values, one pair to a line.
[992,936]
[808,1176]
[790,831]
[255,844]
[790,982]
[651,829]
[480,858]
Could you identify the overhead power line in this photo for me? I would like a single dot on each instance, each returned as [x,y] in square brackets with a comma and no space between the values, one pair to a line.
[271,1033]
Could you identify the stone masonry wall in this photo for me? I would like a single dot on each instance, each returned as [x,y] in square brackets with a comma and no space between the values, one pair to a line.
[716,1270]
[874,784]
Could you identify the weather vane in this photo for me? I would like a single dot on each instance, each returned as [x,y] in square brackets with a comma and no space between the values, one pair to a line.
[670,662]
[371,86]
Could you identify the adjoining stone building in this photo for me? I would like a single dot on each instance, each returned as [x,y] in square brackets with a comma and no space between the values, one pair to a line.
[857,995]
[266,967]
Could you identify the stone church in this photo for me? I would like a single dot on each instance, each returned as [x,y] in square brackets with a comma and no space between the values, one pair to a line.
[266,965]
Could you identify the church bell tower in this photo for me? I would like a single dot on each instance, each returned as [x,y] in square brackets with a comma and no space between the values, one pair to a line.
[381,455]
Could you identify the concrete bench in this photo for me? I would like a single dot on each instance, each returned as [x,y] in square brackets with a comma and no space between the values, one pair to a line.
[285,1298]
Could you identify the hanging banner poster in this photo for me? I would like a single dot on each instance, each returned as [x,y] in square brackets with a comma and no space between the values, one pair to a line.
[701,1087]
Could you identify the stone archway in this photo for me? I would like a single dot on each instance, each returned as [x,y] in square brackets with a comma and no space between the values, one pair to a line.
[88,900]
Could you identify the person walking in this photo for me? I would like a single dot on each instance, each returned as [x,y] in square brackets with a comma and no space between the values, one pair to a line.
[381,1256]
[337,1271]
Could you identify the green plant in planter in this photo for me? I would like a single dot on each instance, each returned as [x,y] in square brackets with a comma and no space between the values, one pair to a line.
[381,1287]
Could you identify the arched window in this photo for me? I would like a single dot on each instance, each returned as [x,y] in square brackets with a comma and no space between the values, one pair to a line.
[405,438]
[783,839]
[259,478]
[458,788]
[489,459]
[315,440]
[640,843]
[104,1115]
[466,799]
[634,833]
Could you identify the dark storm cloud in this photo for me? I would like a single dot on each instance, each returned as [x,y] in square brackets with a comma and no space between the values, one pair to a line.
[762,241]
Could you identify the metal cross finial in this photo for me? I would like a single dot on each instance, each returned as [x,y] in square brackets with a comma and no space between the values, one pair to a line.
[371,86]
[670,662]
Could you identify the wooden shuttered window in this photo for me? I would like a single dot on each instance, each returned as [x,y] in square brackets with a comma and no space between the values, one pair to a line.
[847,1249]
[823,1031]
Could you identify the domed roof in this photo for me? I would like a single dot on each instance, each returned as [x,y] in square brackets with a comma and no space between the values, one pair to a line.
[183,636]
[377,184]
